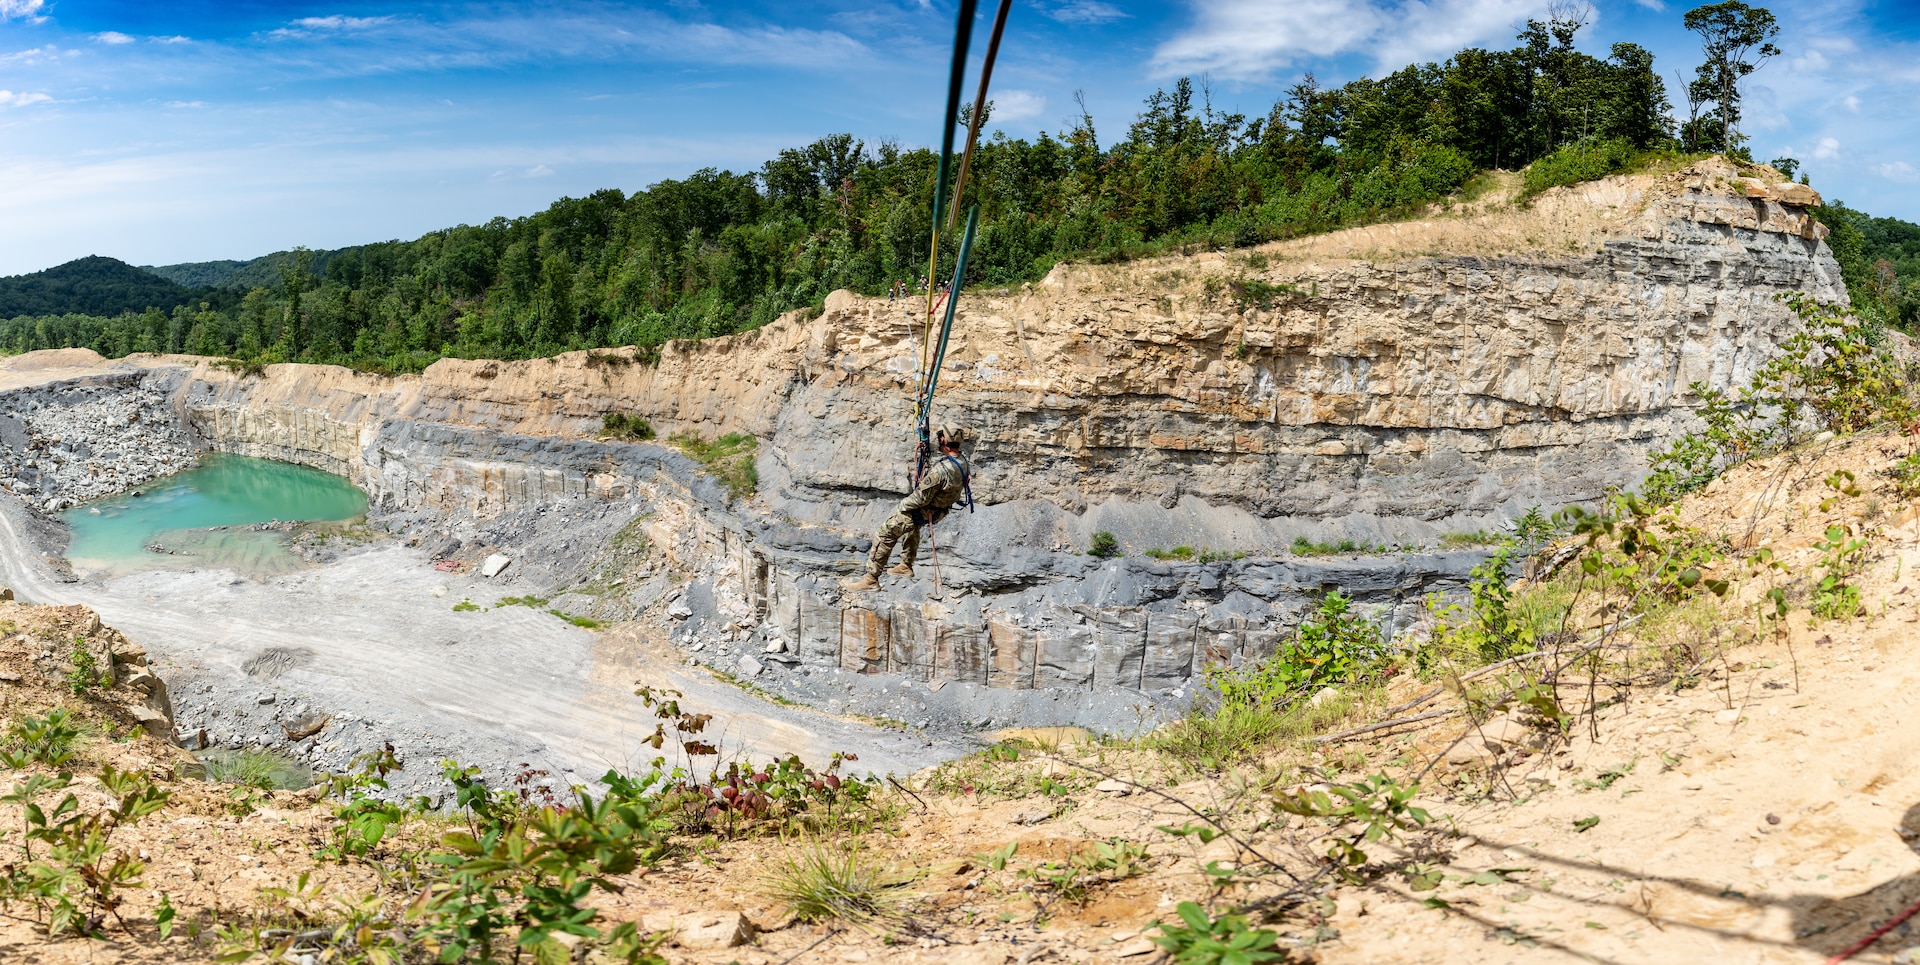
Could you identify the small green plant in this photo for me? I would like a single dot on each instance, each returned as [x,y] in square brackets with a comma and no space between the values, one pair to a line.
[1380,805]
[361,819]
[1255,293]
[531,601]
[73,882]
[617,425]
[728,459]
[1177,553]
[1835,597]
[1104,545]
[587,623]
[466,606]
[1906,476]
[86,673]
[820,882]
[1198,938]
[45,740]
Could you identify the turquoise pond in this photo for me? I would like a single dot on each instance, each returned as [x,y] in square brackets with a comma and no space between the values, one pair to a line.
[194,516]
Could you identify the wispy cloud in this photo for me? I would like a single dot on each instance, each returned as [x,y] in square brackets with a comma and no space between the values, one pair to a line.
[1827,149]
[22,9]
[10,99]
[1898,171]
[1084,11]
[173,40]
[113,37]
[30,56]
[1253,39]
[178,105]
[307,26]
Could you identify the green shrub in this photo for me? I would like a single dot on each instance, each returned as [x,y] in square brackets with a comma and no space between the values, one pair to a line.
[45,740]
[728,459]
[1259,706]
[1198,938]
[618,425]
[1584,160]
[1177,553]
[1104,545]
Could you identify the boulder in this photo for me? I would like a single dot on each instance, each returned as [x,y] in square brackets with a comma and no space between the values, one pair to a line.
[704,929]
[493,565]
[750,667]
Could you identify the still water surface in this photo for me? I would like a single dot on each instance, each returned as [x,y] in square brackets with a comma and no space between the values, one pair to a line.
[181,512]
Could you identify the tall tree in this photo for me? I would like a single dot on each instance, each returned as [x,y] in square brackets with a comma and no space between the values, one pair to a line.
[1735,40]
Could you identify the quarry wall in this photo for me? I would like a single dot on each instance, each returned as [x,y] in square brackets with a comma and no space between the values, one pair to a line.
[1386,384]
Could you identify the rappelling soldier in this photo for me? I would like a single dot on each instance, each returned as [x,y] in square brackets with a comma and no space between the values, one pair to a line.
[947,483]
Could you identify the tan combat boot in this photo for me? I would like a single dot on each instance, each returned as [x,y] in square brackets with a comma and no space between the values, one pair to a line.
[863,583]
[900,569]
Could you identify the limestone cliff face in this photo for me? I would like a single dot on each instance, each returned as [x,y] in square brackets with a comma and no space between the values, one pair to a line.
[1389,383]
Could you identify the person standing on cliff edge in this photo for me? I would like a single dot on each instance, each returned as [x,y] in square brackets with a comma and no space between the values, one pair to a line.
[946,484]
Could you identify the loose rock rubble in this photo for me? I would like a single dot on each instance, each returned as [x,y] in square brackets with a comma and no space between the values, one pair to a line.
[70,442]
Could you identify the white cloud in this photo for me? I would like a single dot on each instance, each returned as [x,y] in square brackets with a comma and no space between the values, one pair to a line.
[21,9]
[1085,11]
[338,22]
[1251,39]
[1827,149]
[113,37]
[1853,103]
[1898,171]
[173,40]
[10,99]
[1655,5]
[31,56]
[308,26]
[1016,105]
[182,104]
[539,171]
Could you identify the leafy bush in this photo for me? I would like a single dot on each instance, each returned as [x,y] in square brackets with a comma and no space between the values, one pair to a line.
[1827,377]
[73,881]
[1257,706]
[1586,160]
[45,740]
[1201,939]
[1104,545]
[616,425]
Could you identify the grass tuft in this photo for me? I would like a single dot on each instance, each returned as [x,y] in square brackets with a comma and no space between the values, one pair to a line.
[819,882]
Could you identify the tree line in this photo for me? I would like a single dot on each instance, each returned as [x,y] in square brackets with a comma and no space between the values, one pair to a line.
[721,252]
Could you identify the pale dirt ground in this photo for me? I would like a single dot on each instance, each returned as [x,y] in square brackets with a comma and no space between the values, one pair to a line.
[505,684]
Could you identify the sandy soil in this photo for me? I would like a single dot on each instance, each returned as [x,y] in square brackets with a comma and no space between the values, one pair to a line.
[384,650]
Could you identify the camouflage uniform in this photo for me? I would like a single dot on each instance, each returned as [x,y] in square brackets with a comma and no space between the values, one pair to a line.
[942,486]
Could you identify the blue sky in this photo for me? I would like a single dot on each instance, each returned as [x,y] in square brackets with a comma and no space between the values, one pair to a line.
[191,130]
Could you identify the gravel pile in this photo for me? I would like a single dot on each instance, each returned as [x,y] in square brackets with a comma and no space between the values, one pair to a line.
[65,444]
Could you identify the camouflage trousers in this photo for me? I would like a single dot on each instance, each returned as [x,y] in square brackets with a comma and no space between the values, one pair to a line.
[899,528]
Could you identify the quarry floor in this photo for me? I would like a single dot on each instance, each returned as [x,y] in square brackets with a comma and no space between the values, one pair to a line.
[372,643]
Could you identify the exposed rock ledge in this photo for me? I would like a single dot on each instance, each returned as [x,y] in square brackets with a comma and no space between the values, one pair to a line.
[1346,385]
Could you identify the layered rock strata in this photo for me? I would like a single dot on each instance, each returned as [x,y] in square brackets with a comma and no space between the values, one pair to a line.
[1346,386]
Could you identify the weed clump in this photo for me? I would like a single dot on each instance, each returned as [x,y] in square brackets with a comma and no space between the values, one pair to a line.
[728,459]
[819,882]
[1303,546]
[1104,545]
[619,425]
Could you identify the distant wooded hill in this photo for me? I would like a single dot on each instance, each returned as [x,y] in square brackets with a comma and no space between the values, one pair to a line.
[94,285]
[261,272]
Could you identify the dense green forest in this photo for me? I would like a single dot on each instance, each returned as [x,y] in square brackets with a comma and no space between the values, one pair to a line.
[1880,260]
[721,252]
[94,286]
